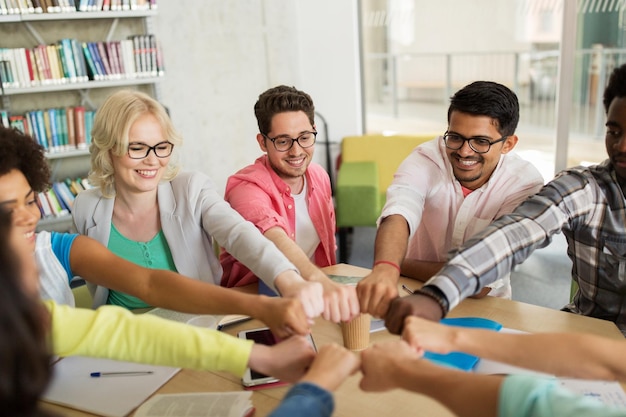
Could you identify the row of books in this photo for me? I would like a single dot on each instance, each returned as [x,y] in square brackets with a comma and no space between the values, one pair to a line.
[69,61]
[59,199]
[57,129]
[69,6]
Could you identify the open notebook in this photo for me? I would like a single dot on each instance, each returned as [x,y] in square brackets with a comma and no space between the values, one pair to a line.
[115,396]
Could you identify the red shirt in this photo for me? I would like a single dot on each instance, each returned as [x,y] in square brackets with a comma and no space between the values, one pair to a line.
[263,198]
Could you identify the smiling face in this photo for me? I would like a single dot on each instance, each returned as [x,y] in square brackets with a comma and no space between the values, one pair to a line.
[292,164]
[18,198]
[472,169]
[140,175]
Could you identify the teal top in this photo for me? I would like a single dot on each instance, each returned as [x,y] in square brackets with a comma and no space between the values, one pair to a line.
[531,396]
[154,254]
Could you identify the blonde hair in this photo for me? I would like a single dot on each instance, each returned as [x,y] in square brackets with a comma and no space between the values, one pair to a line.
[110,135]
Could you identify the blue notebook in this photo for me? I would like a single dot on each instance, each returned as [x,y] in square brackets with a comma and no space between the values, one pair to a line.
[460,360]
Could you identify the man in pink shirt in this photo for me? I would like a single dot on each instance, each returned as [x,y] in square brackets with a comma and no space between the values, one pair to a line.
[289,199]
[448,189]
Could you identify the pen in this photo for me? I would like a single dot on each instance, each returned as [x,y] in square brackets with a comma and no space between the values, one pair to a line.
[132,373]
[407,289]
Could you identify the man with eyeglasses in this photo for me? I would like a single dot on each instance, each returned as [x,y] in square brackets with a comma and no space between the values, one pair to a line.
[288,198]
[447,190]
[587,204]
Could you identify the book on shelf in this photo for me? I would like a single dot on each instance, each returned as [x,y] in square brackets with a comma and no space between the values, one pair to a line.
[52,132]
[71,127]
[64,194]
[67,59]
[92,71]
[79,60]
[44,205]
[52,56]
[106,64]
[39,122]
[4,118]
[97,60]
[55,204]
[90,116]
[79,120]
[37,6]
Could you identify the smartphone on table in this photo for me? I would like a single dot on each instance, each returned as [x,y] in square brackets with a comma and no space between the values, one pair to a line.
[252,379]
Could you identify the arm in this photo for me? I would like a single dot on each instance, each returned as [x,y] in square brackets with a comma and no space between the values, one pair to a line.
[312,397]
[395,365]
[340,302]
[554,353]
[116,333]
[420,270]
[167,289]
[377,289]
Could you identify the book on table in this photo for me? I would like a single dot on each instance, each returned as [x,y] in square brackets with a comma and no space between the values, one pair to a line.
[201,404]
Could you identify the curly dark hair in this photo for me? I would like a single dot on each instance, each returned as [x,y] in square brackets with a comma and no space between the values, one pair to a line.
[24,351]
[487,98]
[282,99]
[616,86]
[20,151]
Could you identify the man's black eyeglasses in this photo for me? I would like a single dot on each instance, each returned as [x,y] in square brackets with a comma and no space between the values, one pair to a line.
[455,142]
[137,150]
[284,143]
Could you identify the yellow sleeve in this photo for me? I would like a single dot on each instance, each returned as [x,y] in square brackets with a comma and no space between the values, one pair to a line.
[116,333]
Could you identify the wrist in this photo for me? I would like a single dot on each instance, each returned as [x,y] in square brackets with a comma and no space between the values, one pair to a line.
[435,294]
[257,308]
[388,264]
[285,280]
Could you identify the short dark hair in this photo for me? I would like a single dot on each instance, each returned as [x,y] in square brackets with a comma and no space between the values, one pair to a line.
[21,152]
[24,353]
[282,99]
[616,86]
[487,98]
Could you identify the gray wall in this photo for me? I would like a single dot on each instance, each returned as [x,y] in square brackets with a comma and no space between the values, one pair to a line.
[221,54]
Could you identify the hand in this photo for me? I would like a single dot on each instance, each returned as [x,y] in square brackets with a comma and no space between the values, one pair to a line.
[287,360]
[332,365]
[377,289]
[423,334]
[311,294]
[413,305]
[340,301]
[381,362]
[284,316]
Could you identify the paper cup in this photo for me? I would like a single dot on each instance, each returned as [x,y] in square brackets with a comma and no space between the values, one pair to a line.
[356,333]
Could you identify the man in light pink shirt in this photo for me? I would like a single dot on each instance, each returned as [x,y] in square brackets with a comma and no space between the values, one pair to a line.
[289,198]
[448,189]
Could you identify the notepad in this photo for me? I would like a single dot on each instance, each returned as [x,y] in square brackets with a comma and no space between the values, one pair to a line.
[460,360]
[72,386]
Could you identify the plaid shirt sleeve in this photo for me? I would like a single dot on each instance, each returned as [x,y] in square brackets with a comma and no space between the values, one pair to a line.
[567,200]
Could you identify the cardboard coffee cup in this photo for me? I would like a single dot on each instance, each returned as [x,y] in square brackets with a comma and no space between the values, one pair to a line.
[356,333]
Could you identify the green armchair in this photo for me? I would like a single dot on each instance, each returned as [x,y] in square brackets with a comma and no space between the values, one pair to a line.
[367,166]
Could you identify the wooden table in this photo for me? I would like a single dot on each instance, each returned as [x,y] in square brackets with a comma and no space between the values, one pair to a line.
[350,400]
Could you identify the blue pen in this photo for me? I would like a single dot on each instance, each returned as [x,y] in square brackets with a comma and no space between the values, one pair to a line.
[132,373]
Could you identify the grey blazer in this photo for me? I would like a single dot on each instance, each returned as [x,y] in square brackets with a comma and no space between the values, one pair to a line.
[192,215]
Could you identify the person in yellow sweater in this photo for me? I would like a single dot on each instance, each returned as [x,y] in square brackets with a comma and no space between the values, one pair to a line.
[30,330]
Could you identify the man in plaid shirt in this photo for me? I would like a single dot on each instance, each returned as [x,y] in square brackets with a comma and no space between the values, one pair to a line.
[586,203]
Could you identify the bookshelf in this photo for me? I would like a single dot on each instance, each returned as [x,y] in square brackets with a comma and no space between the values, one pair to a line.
[21,97]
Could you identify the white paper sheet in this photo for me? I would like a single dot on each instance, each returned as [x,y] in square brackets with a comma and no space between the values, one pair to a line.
[112,396]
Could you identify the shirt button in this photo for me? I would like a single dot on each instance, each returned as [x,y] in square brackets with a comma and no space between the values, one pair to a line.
[289,206]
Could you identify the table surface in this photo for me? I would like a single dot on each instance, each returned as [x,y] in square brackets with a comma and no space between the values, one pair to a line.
[349,400]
